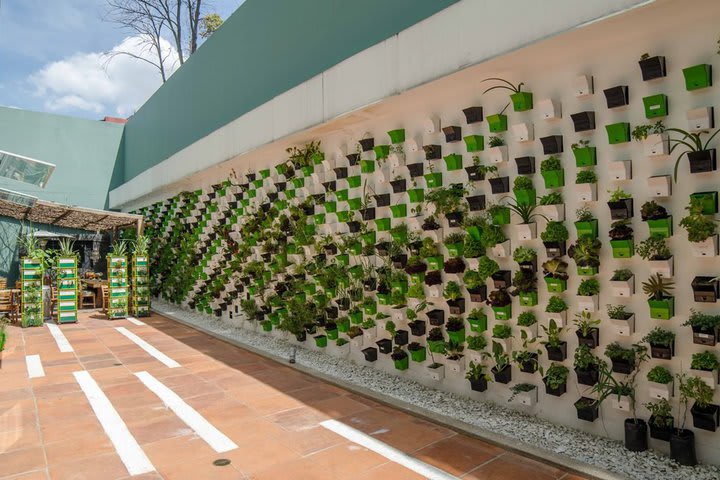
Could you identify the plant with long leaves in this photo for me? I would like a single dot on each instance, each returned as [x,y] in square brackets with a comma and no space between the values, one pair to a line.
[692,142]
[504,85]
[657,287]
[526,212]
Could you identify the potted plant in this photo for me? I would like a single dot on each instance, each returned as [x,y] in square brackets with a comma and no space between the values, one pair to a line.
[622,283]
[682,440]
[447,201]
[477,320]
[524,191]
[554,238]
[587,292]
[623,321]
[528,323]
[455,243]
[436,341]
[494,238]
[661,420]
[453,295]
[659,221]
[662,304]
[556,310]
[621,239]
[705,289]
[587,331]
[585,155]
[662,343]
[526,258]
[586,253]
[701,230]
[552,206]
[586,185]
[455,328]
[499,214]
[586,365]
[477,376]
[475,280]
[654,138]
[705,414]
[586,224]
[555,275]
[501,304]
[705,327]
[476,344]
[659,257]
[705,365]
[400,358]
[498,184]
[525,286]
[620,204]
[552,172]
[527,358]
[623,359]
[522,101]
[453,356]
[555,379]
[701,158]
[502,371]
[556,348]
[660,382]
[587,409]
[525,392]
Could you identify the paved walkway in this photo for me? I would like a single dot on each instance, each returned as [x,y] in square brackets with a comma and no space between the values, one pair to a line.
[91,414]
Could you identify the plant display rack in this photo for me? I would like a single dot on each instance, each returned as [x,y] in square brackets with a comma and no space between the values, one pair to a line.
[32,313]
[67,285]
[140,287]
[118,287]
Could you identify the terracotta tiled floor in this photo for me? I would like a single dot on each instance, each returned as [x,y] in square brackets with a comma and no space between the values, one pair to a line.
[49,430]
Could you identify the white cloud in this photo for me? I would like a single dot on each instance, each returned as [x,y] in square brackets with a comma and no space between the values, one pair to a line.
[95,83]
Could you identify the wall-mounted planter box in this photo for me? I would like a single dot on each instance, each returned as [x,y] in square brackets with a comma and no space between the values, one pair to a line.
[587,271]
[586,192]
[526,165]
[497,123]
[587,377]
[431,124]
[624,288]
[697,76]
[620,170]
[452,134]
[585,156]
[549,108]
[433,180]
[416,195]
[525,196]
[552,144]
[416,169]
[587,303]
[503,313]
[663,267]
[660,186]
[397,136]
[384,345]
[707,337]
[624,327]
[499,185]
[526,231]
[587,409]
[522,101]
[367,166]
[382,200]
[501,250]
[699,119]
[382,224]
[656,145]
[367,144]
[652,68]
[473,114]
[498,154]
[528,299]
[622,248]
[618,132]
[399,186]
[622,209]
[502,279]
[454,161]
[523,132]
[583,85]
[436,317]
[474,143]
[555,249]
[702,161]
[661,227]
[381,152]
[662,309]
[663,352]
[704,289]
[616,96]
[557,354]
[656,105]
[476,203]
[432,152]
[555,285]
[341,172]
[478,325]
[709,202]
[501,216]
[706,418]
[583,121]
[370,354]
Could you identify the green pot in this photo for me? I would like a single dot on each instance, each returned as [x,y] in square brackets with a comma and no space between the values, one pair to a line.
[356,318]
[478,325]
[397,136]
[321,341]
[618,132]
[281,169]
[318,158]
[474,143]
[585,156]
[503,313]
[256,183]
[662,309]
[356,272]
[369,309]
[554,178]
[417,278]
[497,123]
[416,195]
[344,216]
[298,182]
[697,76]
[289,194]
[555,285]
[436,346]
[662,227]
[354,203]
[587,271]
[656,105]
[252,194]
[368,166]
[330,207]
[331,334]
[399,237]
[402,364]
[622,248]
[455,249]
[355,248]
[709,202]
[342,195]
[453,161]
[399,211]
[309,288]
[384,298]
[522,101]
[525,197]
[474,232]
[434,180]
[343,325]
[435,263]
[382,224]
[381,152]
[457,337]
[265,173]
[267,326]
[501,217]
[400,286]
[343,259]
[528,299]
[354,181]
[369,238]
[319,218]
[308,170]
[587,229]
[418,355]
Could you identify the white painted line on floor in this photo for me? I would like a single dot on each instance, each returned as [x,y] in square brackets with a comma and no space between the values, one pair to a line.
[167,361]
[34,366]
[135,321]
[60,339]
[391,453]
[204,429]
[125,444]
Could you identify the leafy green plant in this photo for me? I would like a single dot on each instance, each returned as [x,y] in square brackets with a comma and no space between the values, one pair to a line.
[454,238]
[659,337]
[472,279]
[429,248]
[473,248]
[585,359]
[452,291]
[493,235]
[476,342]
[556,305]
[523,183]
[555,268]
[615,351]
[552,334]
[447,199]
[661,412]
[589,287]
[586,252]
[551,163]
[585,323]
[584,214]
[657,287]
[500,357]
[502,331]
[555,232]
[699,227]
[524,254]
[526,319]
[621,275]
[706,360]
[496,141]
[698,390]
[524,281]
[617,312]
[476,371]
[556,375]
[688,143]
[653,248]
[498,298]
[652,210]
[702,321]
[618,194]
[660,374]
[552,198]
[586,176]
[641,132]
[580,144]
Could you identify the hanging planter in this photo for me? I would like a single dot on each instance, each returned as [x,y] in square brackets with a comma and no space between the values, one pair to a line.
[433,180]
[432,152]
[367,144]
[698,76]
[617,96]
[652,67]
[399,185]
[526,165]
[473,114]
[397,136]
[552,144]
[499,185]
[497,123]
[416,195]
[588,409]
[705,290]
[476,203]
[416,169]
[656,105]
[381,152]
[522,101]
[618,132]
[452,134]
[399,211]
[453,161]
[583,121]
[622,248]
[621,209]
[474,143]
[370,354]
[702,161]
[706,417]
[367,166]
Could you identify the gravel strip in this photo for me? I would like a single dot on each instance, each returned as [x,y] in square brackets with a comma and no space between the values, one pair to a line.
[523,430]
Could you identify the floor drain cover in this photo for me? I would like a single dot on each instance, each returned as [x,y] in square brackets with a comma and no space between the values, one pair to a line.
[221,462]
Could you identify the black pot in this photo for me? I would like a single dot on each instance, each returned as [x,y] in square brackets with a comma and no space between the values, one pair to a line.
[399,261]
[416,169]
[368,214]
[367,144]
[474,174]
[417,328]
[436,317]
[353,159]
[370,354]
[616,96]
[592,340]
[478,294]
[555,249]
[682,447]
[662,351]
[622,209]
[557,354]
[319,198]
[653,67]
[399,186]
[503,376]
[622,366]
[301,337]
[706,418]
[556,392]
[476,203]
[331,312]
[636,432]
[473,114]
[499,185]
[354,227]
[530,366]
[552,144]
[433,278]
[583,121]
[525,165]
[382,200]
[659,433]
[529,266]
[384,345]
[452,134]
[370,284]
[401,337]
[331,249]
[502,279]
[330,186]
[250,178]
[704,289]
[588,414]
[341,172]
[457,307]
[702,161]
[587,377]
[432,152]
[454,266]
[705,337]
[479,385]
[454,219]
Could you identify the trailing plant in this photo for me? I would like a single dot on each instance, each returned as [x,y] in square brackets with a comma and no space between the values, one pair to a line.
[657,287]
[588,287]
[519,388]
[659,337]
[653,248]
[556,305]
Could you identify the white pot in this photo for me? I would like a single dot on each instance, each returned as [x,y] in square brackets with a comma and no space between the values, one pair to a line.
[663,267]
[435,235]
[398,316]
[473,356]
[554,213]
[660,390]
[529,399]
[706,248]
[357,341]
[498,154]
[343,349]
[586,192]
[435,291]
[526,231]
[559,317]
[587,304]
[583,85]
[710,378]
[396,160]
[436,374]
[549,108]
[622,404]
[623,288]
[501,250]
[455,366]
[624,327]
[620,170]
[700,119]
[523,132]
[505,343]
[370,334]
[472,263]
[656,145]
[530,331]
[660,186]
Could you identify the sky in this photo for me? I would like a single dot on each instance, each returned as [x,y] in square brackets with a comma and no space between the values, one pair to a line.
[53,59]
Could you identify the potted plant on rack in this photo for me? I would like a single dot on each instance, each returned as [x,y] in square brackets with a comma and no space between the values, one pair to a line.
[621,239]
[453,356]
[499,214]
[555,347]
[584,154]
[701,230]
[552,172]
[475,283]
[654,138]
[400,358]
[477,320]
[586,253]
[705,414]
[554,238]
[705,327]
[586,224]
[476,345]
[682,440]
[555,275]
[555,379]
[662,304]
[455,301]
[662,343]
[586,185]
[501,304]
[524,191]
[622,283]
[660,382]
[658,219]
[700,156]
[620,204]
[587,331]
[623,321]
[502,371]
[623,359]
[705,365]
[527,357]
[661,420]
[527,228]
[556,310]
[494,238]
[521,101]
[447,201]
[552,206]
[659,257]
[455,328]
[477,376]
[526,258]
[586,365]
[525,286]
[587,293]
[436,341]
